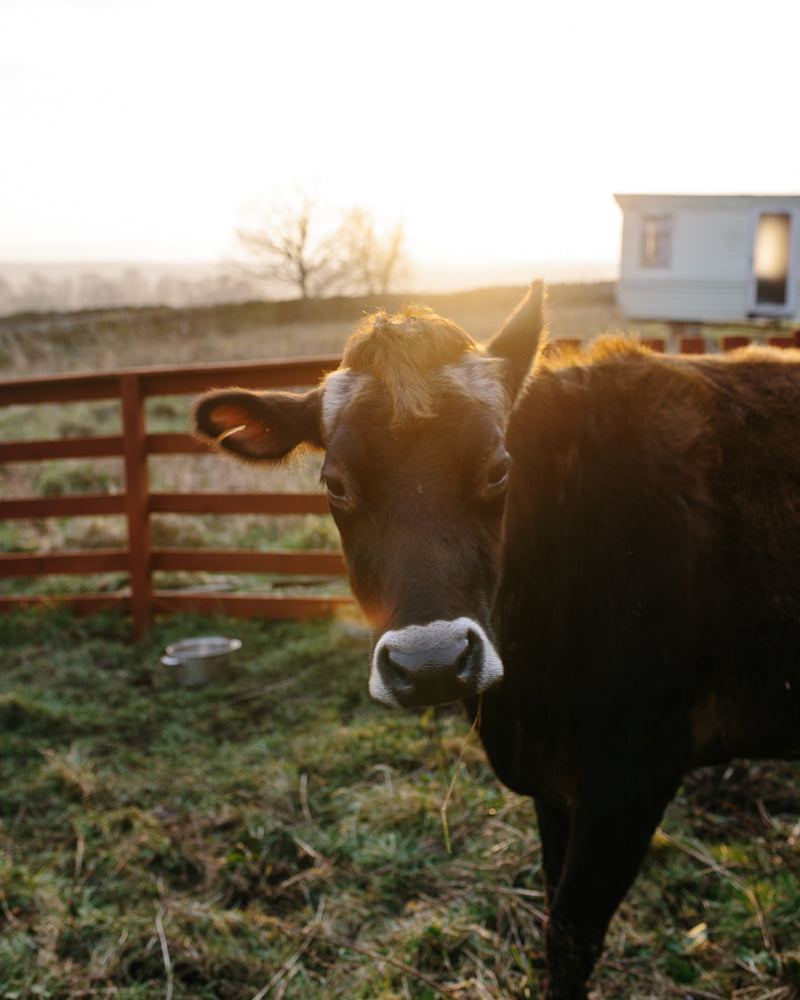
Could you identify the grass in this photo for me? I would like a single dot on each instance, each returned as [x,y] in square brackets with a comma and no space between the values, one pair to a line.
[275,834]
[164,838]
[32,344]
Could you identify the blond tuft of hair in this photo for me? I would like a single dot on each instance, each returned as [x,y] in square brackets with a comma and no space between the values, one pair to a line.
[401,350]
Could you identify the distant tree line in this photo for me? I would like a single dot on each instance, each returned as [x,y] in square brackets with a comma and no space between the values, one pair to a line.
[45,289]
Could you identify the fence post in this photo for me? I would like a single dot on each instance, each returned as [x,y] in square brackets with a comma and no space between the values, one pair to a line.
[137,502]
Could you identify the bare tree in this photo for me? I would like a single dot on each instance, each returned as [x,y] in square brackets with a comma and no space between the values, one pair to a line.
[288,244]
[295,242]
[373,261]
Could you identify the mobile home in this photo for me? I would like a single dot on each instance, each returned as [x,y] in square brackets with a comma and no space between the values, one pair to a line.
[716,258]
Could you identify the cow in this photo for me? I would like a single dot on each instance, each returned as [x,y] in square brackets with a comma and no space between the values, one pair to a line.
[600,556]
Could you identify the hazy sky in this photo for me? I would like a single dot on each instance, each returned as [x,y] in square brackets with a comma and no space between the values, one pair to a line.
[141,129]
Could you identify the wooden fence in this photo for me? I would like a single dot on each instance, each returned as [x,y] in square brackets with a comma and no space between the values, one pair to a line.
[140,559]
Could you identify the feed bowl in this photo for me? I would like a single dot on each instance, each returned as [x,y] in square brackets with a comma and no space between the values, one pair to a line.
[197,661]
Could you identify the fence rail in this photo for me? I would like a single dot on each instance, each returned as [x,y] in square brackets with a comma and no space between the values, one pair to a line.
[140,559]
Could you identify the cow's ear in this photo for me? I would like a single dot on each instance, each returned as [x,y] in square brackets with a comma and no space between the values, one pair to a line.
[518,339]
[260,426]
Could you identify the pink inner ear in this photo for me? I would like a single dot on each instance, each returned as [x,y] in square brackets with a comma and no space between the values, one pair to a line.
[228,419]
[240,430]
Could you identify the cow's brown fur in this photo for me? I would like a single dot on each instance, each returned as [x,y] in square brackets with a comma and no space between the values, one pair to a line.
[629,534]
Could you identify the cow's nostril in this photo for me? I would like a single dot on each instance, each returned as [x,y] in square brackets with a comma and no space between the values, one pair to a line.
[400,676]
[465,663]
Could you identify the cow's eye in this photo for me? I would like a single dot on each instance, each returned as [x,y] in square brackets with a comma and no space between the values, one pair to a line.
[337,492]
[497,477]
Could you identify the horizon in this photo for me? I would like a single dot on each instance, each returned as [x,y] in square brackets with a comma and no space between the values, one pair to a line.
[75,285]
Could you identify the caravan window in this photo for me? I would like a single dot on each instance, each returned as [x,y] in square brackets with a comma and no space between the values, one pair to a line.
[772,257]
[656,241]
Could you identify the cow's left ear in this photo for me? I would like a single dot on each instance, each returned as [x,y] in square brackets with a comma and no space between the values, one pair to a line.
[518,339]
[260,426]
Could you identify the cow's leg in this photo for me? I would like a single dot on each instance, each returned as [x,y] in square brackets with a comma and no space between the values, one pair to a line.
[555,825]
[607,845]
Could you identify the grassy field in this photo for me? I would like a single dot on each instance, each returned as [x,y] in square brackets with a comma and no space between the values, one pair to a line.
[275,834]
[61,342]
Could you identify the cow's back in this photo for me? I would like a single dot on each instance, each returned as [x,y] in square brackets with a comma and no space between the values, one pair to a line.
[652,566]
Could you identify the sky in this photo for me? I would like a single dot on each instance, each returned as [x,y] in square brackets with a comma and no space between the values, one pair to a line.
[495,131]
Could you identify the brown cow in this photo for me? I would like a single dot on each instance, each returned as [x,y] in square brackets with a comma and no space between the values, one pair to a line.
[605,553]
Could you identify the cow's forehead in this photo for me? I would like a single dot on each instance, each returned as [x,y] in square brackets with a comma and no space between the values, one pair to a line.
[475,378]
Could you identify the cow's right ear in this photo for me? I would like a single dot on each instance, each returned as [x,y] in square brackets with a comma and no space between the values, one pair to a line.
[519,338]
[260,426]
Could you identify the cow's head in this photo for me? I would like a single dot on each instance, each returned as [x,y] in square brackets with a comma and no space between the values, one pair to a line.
[412,424]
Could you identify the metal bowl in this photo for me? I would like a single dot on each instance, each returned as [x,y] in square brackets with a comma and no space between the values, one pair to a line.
[197,661]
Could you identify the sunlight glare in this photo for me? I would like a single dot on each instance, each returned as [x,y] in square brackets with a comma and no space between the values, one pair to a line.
[773,246]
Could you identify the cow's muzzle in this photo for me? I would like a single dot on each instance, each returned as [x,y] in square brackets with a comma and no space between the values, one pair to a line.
[433,664]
